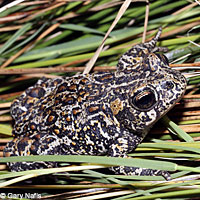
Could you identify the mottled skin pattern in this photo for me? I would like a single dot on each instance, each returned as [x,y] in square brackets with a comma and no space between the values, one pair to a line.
[104,113]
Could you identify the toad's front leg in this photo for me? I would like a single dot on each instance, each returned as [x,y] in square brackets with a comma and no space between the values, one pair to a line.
[120,147]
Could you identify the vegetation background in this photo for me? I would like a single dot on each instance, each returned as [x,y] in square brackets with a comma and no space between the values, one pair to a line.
[57,38]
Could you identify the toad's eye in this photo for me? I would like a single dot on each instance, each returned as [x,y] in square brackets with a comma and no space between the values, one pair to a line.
[163,58]
[144,100]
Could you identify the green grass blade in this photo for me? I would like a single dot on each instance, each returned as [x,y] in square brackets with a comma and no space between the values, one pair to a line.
[179,193]
[167,145]
[152,164]
[19,33]
[6,129]
[171,126]
[27,40]
[76,27]
[156,189]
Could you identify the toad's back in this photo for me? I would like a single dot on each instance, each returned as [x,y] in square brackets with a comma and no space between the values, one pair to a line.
[102,113]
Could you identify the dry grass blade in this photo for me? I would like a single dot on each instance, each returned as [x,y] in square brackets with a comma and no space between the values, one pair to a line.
[185,8]
[53,70]
[56,5]
[5,105]
[12,28]
[90,64]
[10,5]
[67,68]
[103,196]
[145,22]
